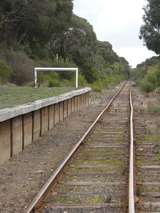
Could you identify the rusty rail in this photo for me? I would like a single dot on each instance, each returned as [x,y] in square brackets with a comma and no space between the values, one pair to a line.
[131,162]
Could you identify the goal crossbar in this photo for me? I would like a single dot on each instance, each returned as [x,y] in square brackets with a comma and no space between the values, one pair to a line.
[55,69]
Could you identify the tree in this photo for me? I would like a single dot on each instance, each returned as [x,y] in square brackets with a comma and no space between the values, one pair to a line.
[78,43]
[33,21]
[150,31]
[48,31]
[105,50]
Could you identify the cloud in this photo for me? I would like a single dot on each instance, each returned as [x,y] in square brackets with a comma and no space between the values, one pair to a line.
[117,22]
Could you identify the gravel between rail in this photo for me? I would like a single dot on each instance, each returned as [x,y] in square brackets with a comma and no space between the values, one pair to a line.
[23,176]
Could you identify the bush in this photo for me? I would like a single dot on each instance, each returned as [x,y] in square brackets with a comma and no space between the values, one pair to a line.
[5,71]
[82,80]
[50,79]
[146,86]
[152,79]
[53,82]
[22,67]
[90,73]
[97,86]
[108,80]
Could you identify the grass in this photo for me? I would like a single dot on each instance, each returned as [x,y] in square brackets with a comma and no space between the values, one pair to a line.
[154,109]
[12,95]
[152,138]
[96,199]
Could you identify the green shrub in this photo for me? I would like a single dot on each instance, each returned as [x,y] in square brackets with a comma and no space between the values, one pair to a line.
[153,75]
[5,71]
[53,82]
[97,86]
[82,80]
[146,86]
[50,79]
[108,80]
[151,80]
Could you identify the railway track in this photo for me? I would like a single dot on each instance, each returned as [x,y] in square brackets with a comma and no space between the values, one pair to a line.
[95,175]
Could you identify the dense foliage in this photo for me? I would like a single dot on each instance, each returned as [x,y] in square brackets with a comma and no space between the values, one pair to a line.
[150,31]
[33,22]
[47,33]
[151,80]
[147,74]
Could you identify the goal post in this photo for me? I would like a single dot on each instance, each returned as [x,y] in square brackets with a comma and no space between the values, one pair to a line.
[54,69]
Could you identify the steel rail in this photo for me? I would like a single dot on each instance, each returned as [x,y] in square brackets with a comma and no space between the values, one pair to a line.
[131,162]
[55,174]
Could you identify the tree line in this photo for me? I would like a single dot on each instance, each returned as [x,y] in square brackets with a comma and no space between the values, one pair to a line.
[147,74]
[47,33]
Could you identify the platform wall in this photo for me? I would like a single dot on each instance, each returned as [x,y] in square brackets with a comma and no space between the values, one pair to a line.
[23,125]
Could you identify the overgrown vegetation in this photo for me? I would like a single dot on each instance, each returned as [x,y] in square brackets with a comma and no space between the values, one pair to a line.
[151,80]
[47,33]
[147,74]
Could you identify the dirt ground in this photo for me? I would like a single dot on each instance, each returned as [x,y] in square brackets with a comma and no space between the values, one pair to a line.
[147,149]
[23,176]
[148,105]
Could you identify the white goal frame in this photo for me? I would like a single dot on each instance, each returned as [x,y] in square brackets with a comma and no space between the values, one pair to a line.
[54,69]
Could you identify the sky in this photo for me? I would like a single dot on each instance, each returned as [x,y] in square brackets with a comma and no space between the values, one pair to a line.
[119,23]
